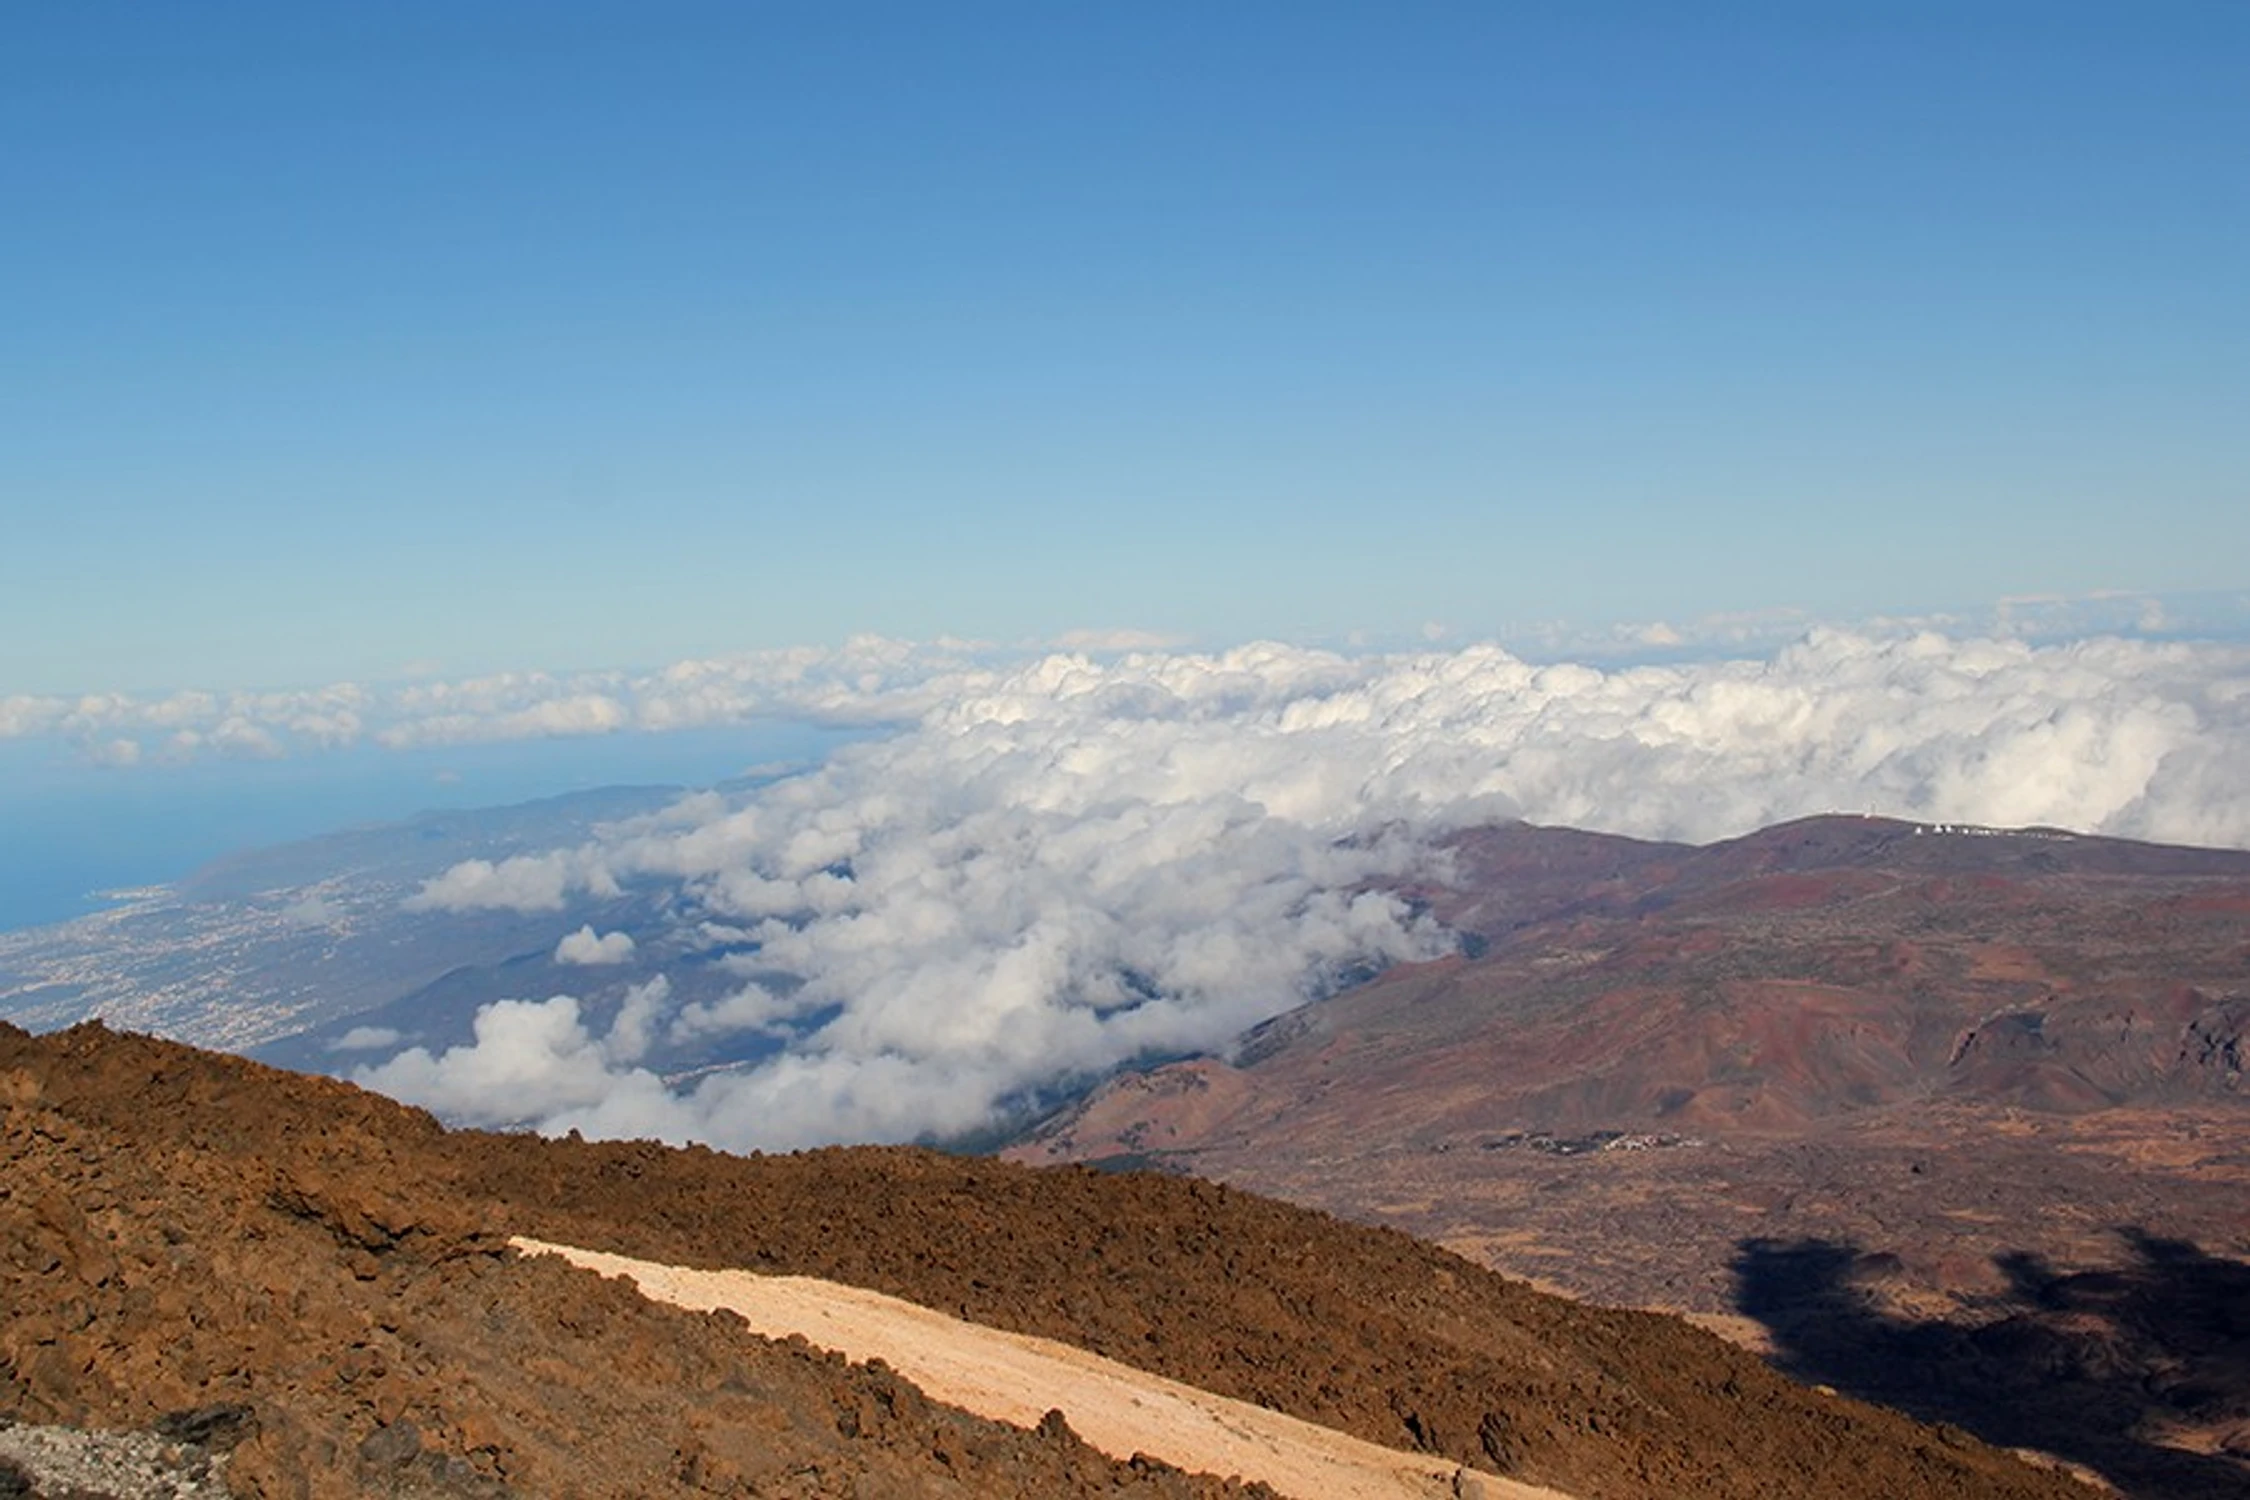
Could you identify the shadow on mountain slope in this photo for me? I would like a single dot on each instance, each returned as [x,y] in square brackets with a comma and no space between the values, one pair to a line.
[2100,1366]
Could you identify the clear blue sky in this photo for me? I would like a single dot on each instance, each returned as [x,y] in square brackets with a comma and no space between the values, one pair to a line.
[335,338]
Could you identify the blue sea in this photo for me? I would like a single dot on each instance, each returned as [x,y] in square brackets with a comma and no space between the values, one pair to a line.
[71,832]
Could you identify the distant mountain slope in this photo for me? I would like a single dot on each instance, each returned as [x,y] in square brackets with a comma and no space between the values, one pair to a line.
[1935,1047]
[1803,972]
[182,1228]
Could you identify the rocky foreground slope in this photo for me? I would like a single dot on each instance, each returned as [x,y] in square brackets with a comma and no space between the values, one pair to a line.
[184,1232]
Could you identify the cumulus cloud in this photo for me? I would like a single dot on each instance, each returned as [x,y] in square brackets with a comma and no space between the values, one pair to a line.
[365,1039]
[584,947]
[534,1061]
[120,751]
[525,883]
[635,1023]
[241,737]
[530,1061]
[1066,865]
[521,883]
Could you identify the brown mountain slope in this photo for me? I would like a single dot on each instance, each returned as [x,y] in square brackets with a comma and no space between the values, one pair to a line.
[1930,1051]
[183,1228]
[283,1250]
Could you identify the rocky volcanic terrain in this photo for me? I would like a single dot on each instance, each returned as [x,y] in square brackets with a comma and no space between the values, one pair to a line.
[317,1284]
[1955,1118]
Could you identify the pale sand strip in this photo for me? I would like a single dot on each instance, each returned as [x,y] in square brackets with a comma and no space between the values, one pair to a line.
[1016,1378]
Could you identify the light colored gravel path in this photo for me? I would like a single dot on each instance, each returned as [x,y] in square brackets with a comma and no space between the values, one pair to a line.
[1016,1378]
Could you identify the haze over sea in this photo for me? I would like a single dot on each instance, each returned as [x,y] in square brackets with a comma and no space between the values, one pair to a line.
[72,831]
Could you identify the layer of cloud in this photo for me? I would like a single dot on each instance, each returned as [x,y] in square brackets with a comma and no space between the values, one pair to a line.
[867,681]
[872,681]
[1077,862]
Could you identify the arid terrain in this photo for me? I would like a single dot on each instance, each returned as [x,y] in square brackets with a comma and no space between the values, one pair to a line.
[1953,1118]
[323,1283]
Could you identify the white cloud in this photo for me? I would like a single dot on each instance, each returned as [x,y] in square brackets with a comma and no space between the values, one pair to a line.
[523,882]
[635,1022]
[22,716]
[242,739]
[365,1039]
[753,1009]
[533,1061]
[583,947]
[1068,864]
[120,751]
[530,1061]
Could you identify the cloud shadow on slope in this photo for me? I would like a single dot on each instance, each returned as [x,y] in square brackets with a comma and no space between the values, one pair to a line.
[2081,1363]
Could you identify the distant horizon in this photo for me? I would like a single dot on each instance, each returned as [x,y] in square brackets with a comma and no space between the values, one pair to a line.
[2213,614]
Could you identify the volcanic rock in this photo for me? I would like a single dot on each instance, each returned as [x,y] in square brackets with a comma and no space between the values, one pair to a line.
[182,1229]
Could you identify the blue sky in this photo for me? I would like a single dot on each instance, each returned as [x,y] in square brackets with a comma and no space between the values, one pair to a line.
[340,339]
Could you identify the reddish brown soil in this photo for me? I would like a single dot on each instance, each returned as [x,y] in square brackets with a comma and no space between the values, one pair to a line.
[180,1228]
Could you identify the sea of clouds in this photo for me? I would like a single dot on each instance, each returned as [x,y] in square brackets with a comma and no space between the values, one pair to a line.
[1066,863]
[868,680]
[872,680]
